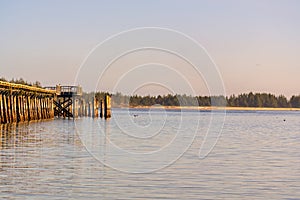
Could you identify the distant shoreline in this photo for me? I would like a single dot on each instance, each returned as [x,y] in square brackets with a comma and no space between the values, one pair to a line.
[209,108]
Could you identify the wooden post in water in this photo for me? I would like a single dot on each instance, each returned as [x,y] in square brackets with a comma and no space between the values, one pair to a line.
[47,108]
[51,107]
[23,108]
[85,113]
[28,108]
[88,109]
[80,109]
[96,107]
[70,109]
[101,108]
[8,108]
[1,116]
[32,108]
[107,106]
[36,109]
[20,105]
[18,109]
[41,105]
[4,109]
[93,107]
[74,108]
[11,101]
[83,108]
[13,108]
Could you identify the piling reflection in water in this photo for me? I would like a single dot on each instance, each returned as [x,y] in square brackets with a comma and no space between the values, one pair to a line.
[13,135]
[34,156]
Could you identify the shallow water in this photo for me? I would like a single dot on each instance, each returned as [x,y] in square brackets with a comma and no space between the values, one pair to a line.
[257,156]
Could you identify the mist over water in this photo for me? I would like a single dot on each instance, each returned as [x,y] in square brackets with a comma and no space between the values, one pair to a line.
[257,157]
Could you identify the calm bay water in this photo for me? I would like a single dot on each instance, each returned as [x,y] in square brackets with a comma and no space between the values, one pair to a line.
[257,157]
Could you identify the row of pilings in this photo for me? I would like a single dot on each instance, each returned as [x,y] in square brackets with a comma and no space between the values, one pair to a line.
[75,107]
[20,103]
[100,109]
[71,102]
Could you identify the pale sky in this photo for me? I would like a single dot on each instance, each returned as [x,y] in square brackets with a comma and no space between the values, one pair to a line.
[255,44]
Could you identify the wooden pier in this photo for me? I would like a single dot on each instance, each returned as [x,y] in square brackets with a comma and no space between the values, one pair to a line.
[20,103]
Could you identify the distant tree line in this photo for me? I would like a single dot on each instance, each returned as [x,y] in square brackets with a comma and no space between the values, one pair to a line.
[263,100]
[23,82]
[242,100]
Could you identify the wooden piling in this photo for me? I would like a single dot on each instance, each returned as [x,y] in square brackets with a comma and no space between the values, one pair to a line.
[96,107]
[101,108]
[8,110]
[4,109]
[1,114]
[107,106]
[18,116]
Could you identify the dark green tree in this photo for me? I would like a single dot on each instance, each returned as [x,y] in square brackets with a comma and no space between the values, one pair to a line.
[295,101]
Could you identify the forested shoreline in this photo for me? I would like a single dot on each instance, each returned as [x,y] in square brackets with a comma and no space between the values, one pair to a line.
[250,99]
[242,100]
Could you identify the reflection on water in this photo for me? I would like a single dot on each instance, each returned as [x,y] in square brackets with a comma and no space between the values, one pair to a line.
[15,135]
[257,157]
